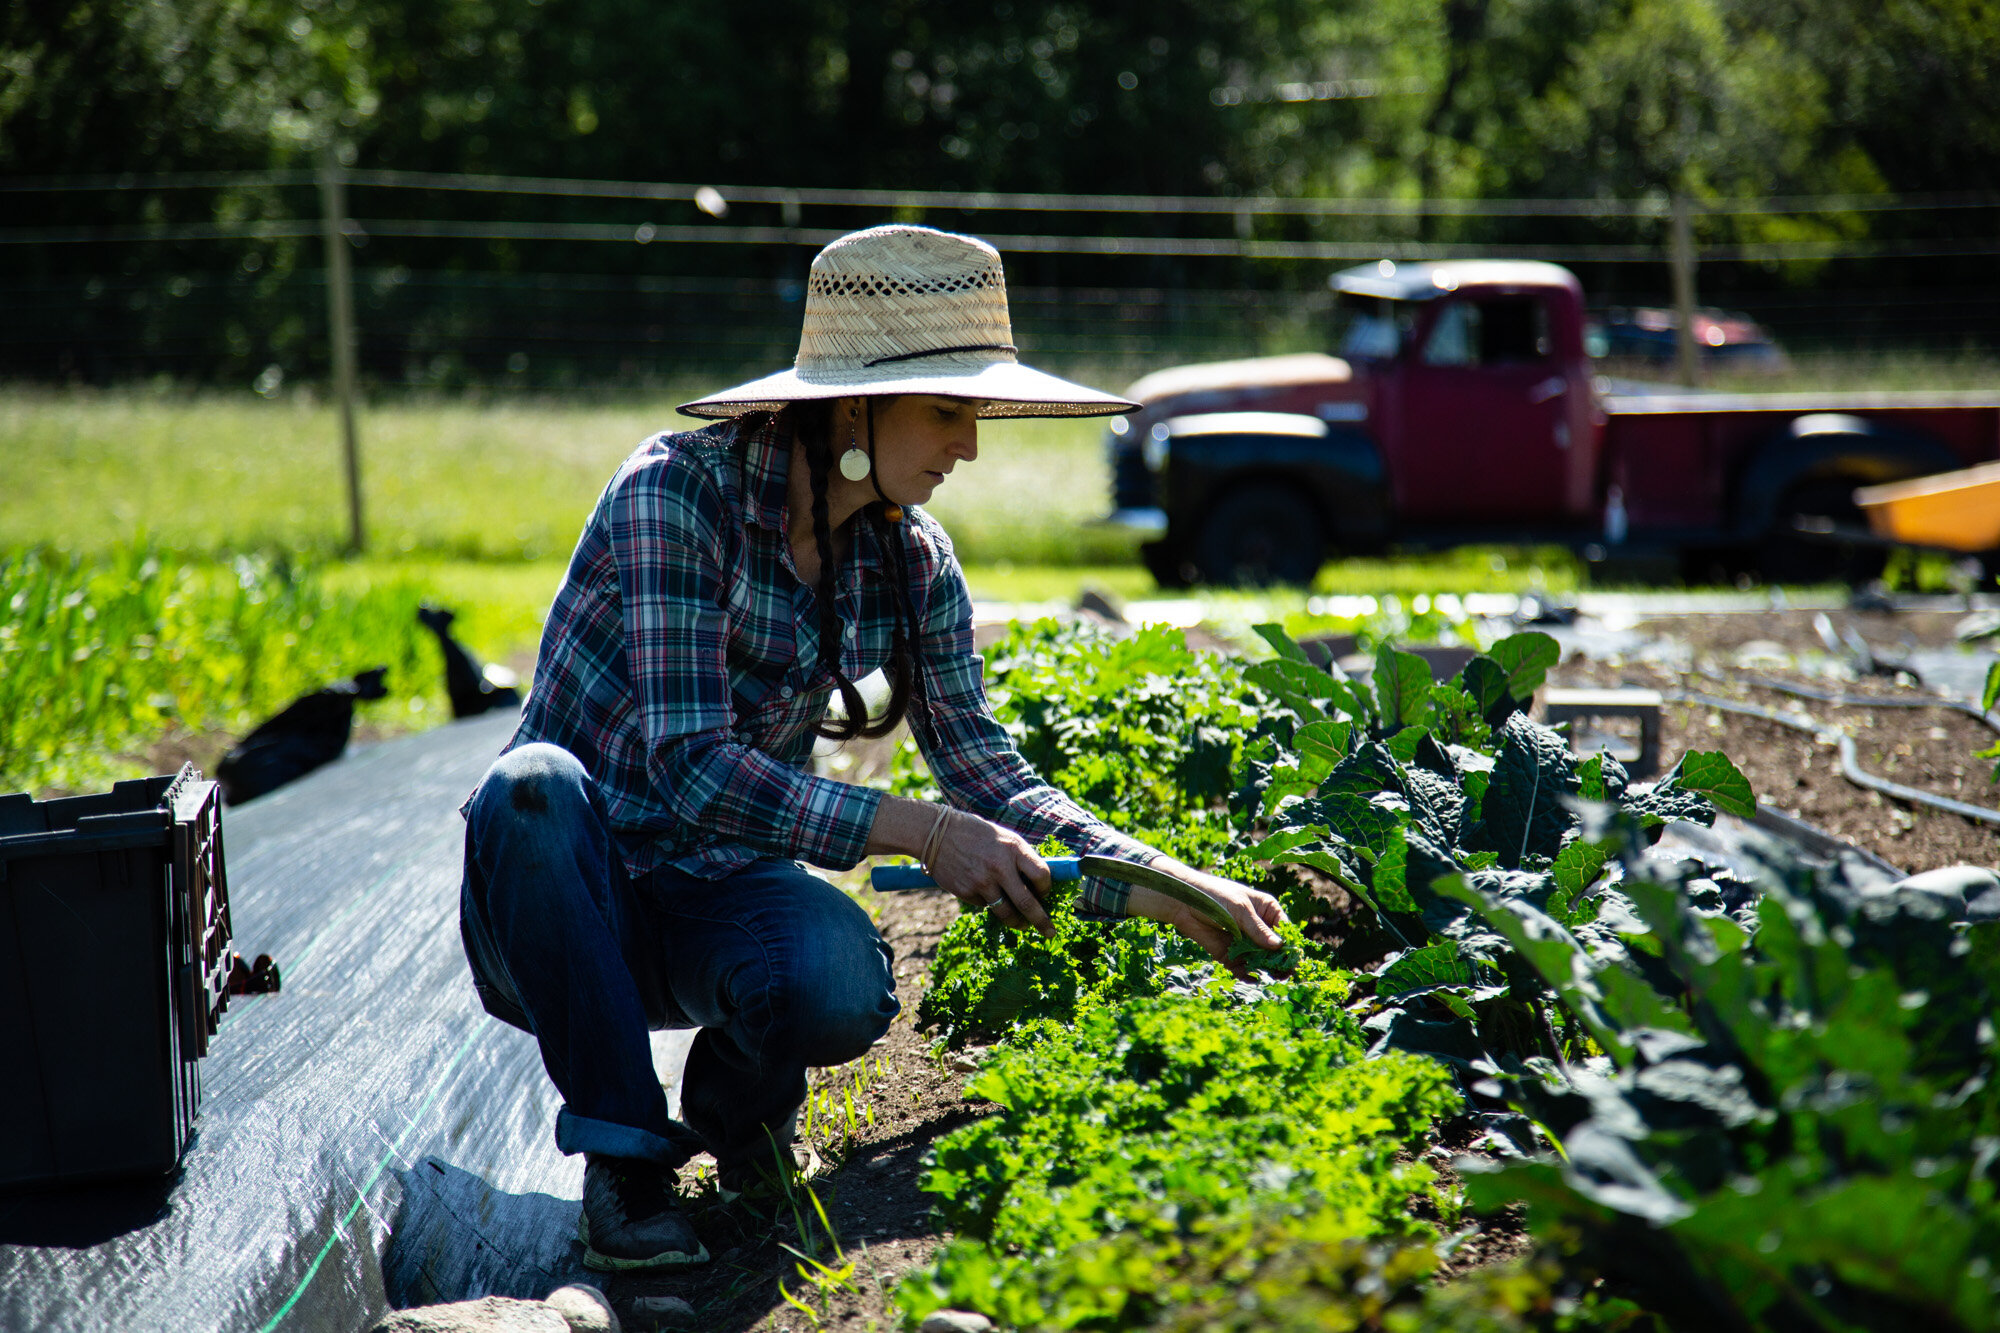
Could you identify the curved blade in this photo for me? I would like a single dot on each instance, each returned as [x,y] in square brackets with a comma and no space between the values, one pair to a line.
[1131,872]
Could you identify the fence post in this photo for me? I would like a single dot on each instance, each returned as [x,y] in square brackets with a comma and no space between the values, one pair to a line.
[340,327]
[1682,257]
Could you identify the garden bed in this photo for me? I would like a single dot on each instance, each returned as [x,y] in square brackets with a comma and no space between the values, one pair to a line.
[1794,773]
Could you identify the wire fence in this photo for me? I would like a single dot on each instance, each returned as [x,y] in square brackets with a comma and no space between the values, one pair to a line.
[547,283]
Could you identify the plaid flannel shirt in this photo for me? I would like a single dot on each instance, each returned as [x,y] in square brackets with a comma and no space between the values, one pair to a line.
[681,665]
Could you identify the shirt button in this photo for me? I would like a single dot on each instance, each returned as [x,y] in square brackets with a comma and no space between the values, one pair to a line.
[785,692]
[852,632]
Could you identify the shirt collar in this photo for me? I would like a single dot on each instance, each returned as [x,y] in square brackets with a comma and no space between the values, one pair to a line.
[767,465]
[767,458]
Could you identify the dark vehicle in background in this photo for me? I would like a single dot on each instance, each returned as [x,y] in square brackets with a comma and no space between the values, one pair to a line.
[1463,408]
[1644,338]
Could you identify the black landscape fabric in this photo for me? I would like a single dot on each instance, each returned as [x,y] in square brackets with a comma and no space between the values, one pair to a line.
[369,1138]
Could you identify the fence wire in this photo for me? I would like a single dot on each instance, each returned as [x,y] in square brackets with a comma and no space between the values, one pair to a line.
[469,279]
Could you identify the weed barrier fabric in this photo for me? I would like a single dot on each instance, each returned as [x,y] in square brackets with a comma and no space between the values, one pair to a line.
[369,1138]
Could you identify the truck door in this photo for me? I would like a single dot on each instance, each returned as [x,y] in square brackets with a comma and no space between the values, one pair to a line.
[1486,434]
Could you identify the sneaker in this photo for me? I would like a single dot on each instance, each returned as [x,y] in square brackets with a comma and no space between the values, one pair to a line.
[754,1179]
[765,1175]
[632,1218]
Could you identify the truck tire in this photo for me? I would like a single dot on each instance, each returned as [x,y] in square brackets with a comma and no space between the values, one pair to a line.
[1258,535]
[1168,569]
[1785,557]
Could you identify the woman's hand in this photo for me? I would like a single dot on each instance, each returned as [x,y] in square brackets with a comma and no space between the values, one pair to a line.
[1255,913]
[983,865]
[993,869]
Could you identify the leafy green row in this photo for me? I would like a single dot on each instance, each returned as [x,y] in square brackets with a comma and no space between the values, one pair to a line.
[1794,1126]
[100,660]
[1161,1114]
[1152,1105]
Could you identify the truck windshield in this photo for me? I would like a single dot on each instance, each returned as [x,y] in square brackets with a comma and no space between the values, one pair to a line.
[1371,326]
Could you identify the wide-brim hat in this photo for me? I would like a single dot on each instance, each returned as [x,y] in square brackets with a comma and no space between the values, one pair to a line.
[903,309]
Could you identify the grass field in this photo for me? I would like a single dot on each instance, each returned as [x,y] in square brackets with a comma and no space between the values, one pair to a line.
[447,480]
[186,575]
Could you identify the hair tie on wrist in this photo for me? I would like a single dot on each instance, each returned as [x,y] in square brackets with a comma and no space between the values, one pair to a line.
[934,840]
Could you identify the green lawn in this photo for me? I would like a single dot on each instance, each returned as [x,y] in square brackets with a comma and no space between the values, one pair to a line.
[506,480]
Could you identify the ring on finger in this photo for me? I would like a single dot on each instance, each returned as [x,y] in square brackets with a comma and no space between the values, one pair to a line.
[997,902]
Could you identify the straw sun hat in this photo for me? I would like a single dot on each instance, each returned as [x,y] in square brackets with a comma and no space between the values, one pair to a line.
[903,309]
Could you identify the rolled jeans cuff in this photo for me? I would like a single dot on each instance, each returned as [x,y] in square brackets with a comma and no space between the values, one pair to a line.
[578,1133]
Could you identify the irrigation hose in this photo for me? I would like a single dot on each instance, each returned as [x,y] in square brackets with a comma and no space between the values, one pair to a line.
[1850,768]
[1861,700]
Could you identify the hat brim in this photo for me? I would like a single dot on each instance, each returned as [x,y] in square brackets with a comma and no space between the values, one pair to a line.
[1007,389]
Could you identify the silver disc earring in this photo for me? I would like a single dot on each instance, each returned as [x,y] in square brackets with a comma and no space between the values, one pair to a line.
[854,464]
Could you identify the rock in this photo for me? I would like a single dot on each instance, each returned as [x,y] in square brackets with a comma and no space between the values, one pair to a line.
[666,1311]
[585,1309]
[1762,653]
[1968,893]
[955,1321]
[492,1314]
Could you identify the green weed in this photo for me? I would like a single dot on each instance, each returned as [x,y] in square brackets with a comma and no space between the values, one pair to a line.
[119,665]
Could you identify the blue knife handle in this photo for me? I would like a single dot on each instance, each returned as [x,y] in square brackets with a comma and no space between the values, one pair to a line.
[896,879]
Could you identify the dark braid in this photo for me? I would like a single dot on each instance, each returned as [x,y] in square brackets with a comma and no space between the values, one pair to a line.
[812,426]
[904,679]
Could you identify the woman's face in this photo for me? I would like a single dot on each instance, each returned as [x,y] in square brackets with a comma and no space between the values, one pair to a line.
[919,439]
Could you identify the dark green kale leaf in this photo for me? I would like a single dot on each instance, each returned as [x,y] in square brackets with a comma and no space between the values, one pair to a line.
[1526,658]
[1522,812]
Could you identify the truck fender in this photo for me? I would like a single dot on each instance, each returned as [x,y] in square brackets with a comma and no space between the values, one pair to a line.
[1341,472]
[1823,446]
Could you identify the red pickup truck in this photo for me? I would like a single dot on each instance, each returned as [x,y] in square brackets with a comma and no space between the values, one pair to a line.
[1462,408]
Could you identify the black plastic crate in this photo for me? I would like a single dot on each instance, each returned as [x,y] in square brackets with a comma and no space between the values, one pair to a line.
[114,972]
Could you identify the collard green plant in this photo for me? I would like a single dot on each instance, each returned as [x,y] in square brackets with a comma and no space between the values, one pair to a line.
[1389,807]
[1794,1125]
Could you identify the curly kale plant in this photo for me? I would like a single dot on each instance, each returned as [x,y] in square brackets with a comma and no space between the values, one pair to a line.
[988,981]
[1152,1115]
[1142,731]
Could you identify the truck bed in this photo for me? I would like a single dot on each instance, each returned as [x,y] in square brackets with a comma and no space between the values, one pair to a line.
[1679,458]
[1631,399]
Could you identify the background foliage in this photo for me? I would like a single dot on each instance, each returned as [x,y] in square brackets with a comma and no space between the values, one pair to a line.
[1490,96]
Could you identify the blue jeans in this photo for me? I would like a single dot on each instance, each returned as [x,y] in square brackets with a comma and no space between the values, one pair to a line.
[779,970]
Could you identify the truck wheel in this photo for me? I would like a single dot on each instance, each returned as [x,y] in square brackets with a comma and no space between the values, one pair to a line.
[1260,535]
[1169,571]
[1785,557]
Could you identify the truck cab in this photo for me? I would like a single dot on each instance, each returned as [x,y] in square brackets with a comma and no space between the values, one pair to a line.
[1462,408]
[1460,400]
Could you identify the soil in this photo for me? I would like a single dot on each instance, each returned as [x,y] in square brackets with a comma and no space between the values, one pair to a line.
[1932,749]
[1716,633]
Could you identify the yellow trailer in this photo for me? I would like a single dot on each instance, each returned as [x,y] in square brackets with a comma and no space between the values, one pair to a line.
[1953,511]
